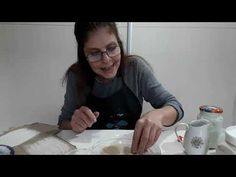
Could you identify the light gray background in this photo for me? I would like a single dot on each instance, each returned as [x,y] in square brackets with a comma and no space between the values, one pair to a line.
[194,61]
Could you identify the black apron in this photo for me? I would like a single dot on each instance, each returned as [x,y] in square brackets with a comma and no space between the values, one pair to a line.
[118,111]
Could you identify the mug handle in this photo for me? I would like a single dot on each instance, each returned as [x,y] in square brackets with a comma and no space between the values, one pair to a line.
[179,138]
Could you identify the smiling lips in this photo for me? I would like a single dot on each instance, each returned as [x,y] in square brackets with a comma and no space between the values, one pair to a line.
[108,68]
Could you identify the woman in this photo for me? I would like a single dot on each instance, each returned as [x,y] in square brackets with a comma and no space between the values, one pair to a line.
[106,88]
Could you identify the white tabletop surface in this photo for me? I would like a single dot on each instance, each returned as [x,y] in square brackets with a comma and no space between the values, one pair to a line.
[85,141]
[167,143]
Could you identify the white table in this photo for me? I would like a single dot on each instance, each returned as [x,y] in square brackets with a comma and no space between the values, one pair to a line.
[84,141]
[167,143]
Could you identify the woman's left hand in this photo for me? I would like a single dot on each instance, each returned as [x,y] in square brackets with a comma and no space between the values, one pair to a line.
[146,132]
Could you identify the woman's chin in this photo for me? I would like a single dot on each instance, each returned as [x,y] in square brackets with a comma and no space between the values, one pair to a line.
[108,76]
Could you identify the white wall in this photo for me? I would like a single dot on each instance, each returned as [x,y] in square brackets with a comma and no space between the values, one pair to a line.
[33,60]
[195,61]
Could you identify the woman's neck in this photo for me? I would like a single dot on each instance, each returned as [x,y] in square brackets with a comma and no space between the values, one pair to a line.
[103,80]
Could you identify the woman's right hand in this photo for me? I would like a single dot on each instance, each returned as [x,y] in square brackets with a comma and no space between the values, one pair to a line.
[83,118]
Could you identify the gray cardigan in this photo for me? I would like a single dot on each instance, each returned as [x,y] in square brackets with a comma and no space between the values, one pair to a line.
[139,78]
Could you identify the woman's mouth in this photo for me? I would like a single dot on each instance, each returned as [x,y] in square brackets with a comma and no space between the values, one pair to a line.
[106,69]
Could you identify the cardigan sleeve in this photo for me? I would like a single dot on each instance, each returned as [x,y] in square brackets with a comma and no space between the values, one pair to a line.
[69,105]
[145,85]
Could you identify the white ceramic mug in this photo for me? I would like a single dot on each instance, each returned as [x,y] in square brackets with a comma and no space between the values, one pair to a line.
[196,136]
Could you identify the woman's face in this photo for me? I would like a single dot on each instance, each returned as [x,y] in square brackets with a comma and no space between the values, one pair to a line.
[102,40]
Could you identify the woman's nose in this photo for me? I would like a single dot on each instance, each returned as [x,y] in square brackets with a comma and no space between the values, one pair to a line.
[105,57]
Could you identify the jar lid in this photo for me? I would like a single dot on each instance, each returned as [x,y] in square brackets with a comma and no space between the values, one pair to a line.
[212,109]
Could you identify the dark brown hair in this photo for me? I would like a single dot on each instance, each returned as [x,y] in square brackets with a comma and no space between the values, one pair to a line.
[84,73]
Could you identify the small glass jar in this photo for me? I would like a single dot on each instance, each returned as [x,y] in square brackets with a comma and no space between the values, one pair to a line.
[214,115]
[6,150]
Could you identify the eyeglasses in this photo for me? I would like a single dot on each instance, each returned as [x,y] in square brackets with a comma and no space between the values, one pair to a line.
[111,51]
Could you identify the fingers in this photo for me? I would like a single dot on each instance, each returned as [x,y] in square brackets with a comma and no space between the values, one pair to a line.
[144,140]
[88,115]
[83,118]
[145,135]
[136,138]
[157,135]
[77,127]
[96,114]
[152,137]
